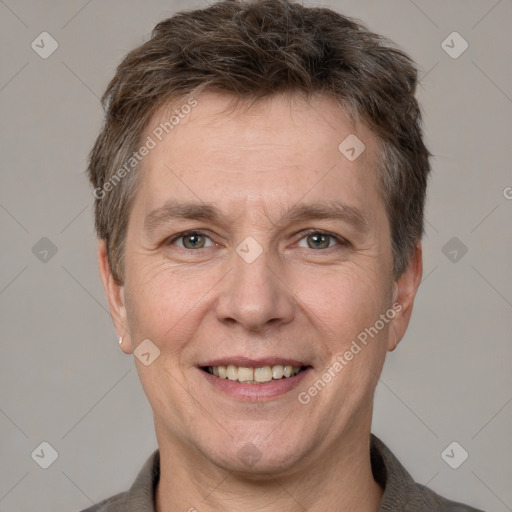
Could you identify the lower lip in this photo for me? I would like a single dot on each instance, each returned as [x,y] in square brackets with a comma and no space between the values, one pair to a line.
[255,392]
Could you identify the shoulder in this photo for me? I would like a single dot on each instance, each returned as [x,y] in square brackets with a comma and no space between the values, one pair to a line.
[140,496]
[113,504]
[401,492]
[423,498]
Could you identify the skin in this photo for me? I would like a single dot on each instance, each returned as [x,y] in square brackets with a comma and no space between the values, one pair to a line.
[295,301]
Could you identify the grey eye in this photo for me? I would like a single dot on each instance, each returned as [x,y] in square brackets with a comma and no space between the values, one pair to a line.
[318,240]
[192,241]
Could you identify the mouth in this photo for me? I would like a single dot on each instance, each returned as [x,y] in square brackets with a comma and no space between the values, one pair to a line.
[254,374]
[252,380]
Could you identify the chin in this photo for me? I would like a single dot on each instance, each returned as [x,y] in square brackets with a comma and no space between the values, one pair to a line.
[258,459]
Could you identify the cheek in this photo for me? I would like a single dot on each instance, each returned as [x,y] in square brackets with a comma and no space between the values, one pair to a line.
[349,301]
[165,304]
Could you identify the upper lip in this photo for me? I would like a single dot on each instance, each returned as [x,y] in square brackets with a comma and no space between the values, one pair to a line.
[247,362]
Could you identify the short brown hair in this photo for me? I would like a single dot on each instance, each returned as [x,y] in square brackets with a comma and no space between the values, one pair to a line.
[254,50]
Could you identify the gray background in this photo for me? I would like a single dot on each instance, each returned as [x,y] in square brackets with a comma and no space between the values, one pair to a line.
[64,380]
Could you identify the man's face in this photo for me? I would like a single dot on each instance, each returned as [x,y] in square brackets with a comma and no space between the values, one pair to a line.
[293,266]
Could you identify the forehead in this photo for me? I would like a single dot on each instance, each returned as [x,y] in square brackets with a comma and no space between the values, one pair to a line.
[278,150]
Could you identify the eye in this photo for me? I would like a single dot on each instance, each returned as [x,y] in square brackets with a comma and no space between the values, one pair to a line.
[321,240]
[191,240]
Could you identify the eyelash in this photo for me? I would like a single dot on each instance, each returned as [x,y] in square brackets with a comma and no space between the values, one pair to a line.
[341,241]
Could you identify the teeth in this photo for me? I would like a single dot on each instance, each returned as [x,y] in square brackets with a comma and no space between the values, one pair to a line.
[232,372]
[254,375]
[263,374]
[277,371]
[245,374]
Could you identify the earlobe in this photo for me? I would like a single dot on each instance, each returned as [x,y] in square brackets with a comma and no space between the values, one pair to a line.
[115,297]
[404,293]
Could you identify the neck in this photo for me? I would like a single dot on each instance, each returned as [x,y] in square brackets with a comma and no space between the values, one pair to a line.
[341,479]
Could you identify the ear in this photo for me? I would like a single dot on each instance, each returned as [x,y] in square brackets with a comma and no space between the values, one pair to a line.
[404,294]
[115,296]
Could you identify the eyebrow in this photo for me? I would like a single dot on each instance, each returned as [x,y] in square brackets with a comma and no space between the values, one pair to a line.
[172,210]
[329,210]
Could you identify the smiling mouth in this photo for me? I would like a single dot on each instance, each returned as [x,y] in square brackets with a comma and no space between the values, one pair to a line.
[260,375]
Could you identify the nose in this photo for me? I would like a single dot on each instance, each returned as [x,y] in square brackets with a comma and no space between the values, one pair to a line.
[255,295]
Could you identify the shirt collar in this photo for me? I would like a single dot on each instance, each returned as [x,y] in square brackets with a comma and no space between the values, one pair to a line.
[141,496]
[391,475]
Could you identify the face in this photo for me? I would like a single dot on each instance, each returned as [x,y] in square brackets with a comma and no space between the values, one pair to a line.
[256,248]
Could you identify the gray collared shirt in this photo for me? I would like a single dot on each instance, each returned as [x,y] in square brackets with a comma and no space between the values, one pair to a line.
[401,493]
